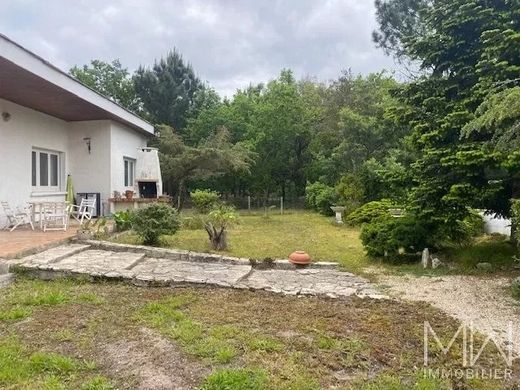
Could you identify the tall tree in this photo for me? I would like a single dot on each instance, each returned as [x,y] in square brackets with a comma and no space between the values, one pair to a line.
[214,156]
[111,80]
[455,172]
[169,90]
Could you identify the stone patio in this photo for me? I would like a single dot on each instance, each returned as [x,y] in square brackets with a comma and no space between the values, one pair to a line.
[172,268]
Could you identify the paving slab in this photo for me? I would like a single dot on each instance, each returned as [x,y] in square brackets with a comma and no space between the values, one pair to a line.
[208,269]
[50,256]
[164,270]
[323,282]
[6,280]
[95,262]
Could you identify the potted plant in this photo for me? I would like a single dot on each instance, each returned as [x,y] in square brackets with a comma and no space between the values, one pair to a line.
[129,194]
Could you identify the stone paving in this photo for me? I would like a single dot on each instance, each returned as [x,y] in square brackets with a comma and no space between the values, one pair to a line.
[135,267]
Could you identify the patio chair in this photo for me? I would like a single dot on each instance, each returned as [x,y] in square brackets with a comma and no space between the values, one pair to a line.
[55,216]
[16,218]
[85,210]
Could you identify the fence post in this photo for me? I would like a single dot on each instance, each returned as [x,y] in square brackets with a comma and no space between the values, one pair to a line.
[281,205]
[249,203]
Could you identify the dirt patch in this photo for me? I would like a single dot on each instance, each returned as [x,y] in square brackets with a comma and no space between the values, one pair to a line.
[151,362]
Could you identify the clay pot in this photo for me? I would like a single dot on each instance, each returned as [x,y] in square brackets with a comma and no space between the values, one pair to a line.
[129,194]
[300,258]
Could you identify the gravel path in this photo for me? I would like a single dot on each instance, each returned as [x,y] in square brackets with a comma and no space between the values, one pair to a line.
[484,302]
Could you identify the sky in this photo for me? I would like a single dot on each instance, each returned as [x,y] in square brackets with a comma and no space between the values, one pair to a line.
[230,43]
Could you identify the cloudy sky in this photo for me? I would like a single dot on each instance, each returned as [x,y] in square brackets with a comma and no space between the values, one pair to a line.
[230,43]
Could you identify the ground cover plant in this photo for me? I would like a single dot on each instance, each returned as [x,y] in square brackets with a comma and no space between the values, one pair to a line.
[102,336]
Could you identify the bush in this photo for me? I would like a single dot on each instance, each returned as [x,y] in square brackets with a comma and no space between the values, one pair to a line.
[351,192]
[394,237]
[124,220]
[204,200]
[320,197]
[369,212]
[515,221]
[461,232]
[156,220]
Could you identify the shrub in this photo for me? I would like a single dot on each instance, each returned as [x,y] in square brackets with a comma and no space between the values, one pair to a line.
[320,197]
[204,200]
[351,192]
[369,212]
[156,220]
[124,220]
[462,232]
[393,237]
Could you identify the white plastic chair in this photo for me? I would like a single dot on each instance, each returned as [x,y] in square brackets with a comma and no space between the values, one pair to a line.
[55,216]
[16,218]
[85,210]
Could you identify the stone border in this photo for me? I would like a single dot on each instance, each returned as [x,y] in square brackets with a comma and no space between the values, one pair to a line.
[183,255]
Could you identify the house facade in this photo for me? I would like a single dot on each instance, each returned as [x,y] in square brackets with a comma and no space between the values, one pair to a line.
[52,126]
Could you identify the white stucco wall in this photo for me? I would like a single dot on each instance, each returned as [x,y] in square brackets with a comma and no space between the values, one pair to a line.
[496,225]
[124,143]
[91,172]
[101,170]
[27,129]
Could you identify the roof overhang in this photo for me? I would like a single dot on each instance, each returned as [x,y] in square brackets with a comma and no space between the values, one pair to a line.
[28,80]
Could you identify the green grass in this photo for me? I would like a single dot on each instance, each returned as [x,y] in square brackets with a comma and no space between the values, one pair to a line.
[48,370]
[228,339]
[497,251]
[277,237]
[236,379]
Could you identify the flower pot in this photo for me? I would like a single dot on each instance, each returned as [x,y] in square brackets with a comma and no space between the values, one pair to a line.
[300,258]
[129,194]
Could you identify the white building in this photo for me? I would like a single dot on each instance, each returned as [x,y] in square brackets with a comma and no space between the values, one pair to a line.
[51,126]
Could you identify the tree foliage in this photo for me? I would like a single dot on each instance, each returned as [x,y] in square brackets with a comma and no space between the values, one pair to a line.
[111,80]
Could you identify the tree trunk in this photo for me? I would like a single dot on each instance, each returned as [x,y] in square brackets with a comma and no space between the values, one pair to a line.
[179,195]
[217,237]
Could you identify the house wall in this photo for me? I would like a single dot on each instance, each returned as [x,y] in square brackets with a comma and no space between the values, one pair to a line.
[124,143]
[27,129]
[101,170]
[90,171]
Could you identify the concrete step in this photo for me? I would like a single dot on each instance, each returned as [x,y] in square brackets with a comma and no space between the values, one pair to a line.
[6,280]
[4,268]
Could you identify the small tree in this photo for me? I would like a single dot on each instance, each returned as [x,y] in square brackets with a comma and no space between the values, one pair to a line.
[204,200]
[154,221]
[217,222]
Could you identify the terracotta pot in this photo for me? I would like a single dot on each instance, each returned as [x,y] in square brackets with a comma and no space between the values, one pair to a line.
[129,194]
[300,258]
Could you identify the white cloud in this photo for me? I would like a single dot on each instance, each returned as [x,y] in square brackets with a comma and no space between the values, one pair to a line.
[230,43]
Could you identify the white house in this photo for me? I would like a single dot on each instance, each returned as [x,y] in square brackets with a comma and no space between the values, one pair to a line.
[51,126]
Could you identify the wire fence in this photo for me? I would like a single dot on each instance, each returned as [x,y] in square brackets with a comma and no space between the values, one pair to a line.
[259,204]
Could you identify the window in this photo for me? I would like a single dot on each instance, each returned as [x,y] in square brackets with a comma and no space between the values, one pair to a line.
[129,171]
[45,167]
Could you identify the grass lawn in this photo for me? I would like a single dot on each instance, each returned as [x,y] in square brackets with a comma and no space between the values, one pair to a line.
[77,335]
[277,237]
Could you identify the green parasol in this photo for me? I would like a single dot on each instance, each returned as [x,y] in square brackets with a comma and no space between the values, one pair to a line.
[69,197]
